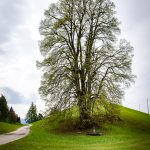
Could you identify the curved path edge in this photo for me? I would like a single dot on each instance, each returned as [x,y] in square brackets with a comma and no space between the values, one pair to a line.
[15,135]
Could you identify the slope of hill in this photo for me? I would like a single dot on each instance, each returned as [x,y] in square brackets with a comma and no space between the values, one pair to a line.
[132,133]
[6,127]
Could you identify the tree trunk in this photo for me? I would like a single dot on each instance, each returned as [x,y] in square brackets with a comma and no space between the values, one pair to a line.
[84,113]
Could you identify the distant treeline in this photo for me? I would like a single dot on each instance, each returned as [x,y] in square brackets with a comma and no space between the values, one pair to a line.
[7,114]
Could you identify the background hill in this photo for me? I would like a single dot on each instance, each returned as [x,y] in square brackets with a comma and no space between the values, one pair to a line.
[131,133]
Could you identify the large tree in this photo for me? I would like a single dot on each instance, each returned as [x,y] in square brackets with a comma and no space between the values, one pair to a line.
[4,110]
[83,60]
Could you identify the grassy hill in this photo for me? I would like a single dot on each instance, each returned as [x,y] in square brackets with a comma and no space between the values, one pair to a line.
[6,127]
[132,133]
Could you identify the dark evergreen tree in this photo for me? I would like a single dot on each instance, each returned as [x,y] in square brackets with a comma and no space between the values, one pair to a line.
[40,116]
[12,116]
[32,114]
[3,109]
[18,119]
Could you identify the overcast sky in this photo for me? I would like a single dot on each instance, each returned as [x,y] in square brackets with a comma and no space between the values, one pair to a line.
[19,36]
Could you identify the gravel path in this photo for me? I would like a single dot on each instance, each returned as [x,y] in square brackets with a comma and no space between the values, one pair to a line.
[15,135]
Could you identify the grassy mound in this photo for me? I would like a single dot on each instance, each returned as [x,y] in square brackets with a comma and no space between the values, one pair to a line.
[132,133]
[6,127]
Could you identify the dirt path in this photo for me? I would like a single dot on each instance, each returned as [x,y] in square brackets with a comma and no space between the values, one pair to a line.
[15,135]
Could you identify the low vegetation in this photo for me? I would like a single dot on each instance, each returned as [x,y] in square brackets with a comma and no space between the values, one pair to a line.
[131,132]
[6,127]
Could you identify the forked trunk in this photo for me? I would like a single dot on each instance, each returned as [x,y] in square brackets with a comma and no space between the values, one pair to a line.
[85,119]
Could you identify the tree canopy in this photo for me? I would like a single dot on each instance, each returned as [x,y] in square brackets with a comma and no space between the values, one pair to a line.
[84,62]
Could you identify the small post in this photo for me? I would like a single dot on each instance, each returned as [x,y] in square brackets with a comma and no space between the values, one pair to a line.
[147,107]
[94,131]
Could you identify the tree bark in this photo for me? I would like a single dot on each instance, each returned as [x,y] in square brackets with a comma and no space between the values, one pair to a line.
[84,112]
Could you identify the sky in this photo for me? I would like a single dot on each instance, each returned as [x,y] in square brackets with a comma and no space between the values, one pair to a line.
[19,50]
[134,16]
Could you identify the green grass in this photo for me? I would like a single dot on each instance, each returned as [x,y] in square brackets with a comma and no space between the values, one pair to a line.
[132,133]
[6,127]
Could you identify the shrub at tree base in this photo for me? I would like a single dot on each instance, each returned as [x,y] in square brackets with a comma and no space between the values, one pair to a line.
[68,121]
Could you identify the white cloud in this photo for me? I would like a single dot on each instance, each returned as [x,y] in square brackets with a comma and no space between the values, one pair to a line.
[19,50]
[135,18]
